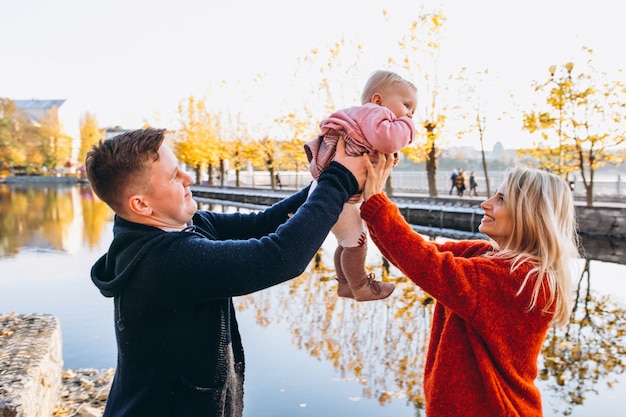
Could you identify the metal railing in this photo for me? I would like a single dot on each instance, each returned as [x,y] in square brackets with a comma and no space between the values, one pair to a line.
[605,185]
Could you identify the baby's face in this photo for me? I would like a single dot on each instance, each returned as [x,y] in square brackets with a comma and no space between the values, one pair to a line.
[400,99]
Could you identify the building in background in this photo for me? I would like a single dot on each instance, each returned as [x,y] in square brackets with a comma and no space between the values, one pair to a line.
[37,110]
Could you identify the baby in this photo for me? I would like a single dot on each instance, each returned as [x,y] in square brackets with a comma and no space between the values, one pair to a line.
[383,123]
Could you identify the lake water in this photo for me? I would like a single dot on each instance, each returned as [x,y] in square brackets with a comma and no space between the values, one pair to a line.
[308,352]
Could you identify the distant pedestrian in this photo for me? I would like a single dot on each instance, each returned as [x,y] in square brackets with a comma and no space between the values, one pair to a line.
[453,180]
[460,183]
[278,183]
[571,180]
[473,185]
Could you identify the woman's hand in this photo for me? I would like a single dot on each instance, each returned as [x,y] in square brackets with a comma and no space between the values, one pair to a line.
[377,175]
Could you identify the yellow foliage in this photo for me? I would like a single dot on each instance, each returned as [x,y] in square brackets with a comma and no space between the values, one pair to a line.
[90,134]
[198,143]
[581,126]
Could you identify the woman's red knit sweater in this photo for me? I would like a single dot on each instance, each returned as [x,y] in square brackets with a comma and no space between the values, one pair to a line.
[484,343]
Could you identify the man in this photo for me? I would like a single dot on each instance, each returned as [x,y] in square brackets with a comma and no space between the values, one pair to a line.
[172,271]
[453,179]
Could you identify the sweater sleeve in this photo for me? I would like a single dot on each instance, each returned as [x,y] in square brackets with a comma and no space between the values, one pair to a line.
[385,132]
[224,226]
[451,280]
[198,269]
[372,126]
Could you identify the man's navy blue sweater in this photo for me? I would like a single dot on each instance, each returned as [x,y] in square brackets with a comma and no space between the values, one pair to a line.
[179,349]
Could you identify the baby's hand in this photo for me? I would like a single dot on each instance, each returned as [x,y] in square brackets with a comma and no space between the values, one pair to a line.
[375,156]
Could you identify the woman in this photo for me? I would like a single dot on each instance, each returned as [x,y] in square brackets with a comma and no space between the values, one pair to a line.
[495,300]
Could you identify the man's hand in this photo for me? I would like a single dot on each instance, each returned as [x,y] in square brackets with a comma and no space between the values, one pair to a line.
[354,164]
[377,175]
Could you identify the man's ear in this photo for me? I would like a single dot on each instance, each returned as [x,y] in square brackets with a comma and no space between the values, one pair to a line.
[377,99]
[137,205]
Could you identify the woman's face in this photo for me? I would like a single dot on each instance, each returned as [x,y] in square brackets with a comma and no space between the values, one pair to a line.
[497,223]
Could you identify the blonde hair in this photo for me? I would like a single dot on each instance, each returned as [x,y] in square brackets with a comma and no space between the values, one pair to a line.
[381,80]
[543,233]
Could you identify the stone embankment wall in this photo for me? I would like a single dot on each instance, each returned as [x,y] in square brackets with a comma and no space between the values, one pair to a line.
[30,365]
[32,382]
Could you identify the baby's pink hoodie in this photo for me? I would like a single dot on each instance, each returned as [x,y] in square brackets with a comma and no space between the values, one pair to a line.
[366,129]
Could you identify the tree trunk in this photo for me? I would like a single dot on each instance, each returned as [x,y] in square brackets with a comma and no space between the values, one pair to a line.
[589,193]
[488,188]
[222,176]
[272,179]
[431,170]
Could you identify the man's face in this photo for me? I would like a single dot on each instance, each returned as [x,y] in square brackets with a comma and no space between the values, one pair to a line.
[169,196]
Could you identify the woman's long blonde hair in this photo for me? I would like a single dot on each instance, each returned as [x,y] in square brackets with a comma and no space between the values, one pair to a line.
[543,233]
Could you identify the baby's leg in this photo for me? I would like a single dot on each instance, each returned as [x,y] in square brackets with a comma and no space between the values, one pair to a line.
[362,284]
[343,288]
[351,234]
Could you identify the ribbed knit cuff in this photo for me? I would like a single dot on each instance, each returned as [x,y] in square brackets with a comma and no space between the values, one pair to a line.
[371,206]
[342,175]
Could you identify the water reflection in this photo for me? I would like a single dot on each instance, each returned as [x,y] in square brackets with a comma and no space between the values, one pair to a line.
[591,350]
[604,248]
[57,218]
[382,345]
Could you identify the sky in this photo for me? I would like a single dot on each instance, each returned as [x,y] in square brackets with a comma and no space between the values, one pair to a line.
[131,62]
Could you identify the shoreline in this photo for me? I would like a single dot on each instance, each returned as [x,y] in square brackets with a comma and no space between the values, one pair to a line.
[42,179]
[84,392]
[398,191]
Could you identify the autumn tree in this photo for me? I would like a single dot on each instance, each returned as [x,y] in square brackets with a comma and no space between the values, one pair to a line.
[268,152]
[582,125]
[21,142]
[237,157]
[222,139]
[418,56]
[293,158]
[56,145]
[477,119]
[197,143]
[337,87]
[301,130]
[10,152]
[29,150]
[90,134]
[263,154]
[236,150]
[420,50]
